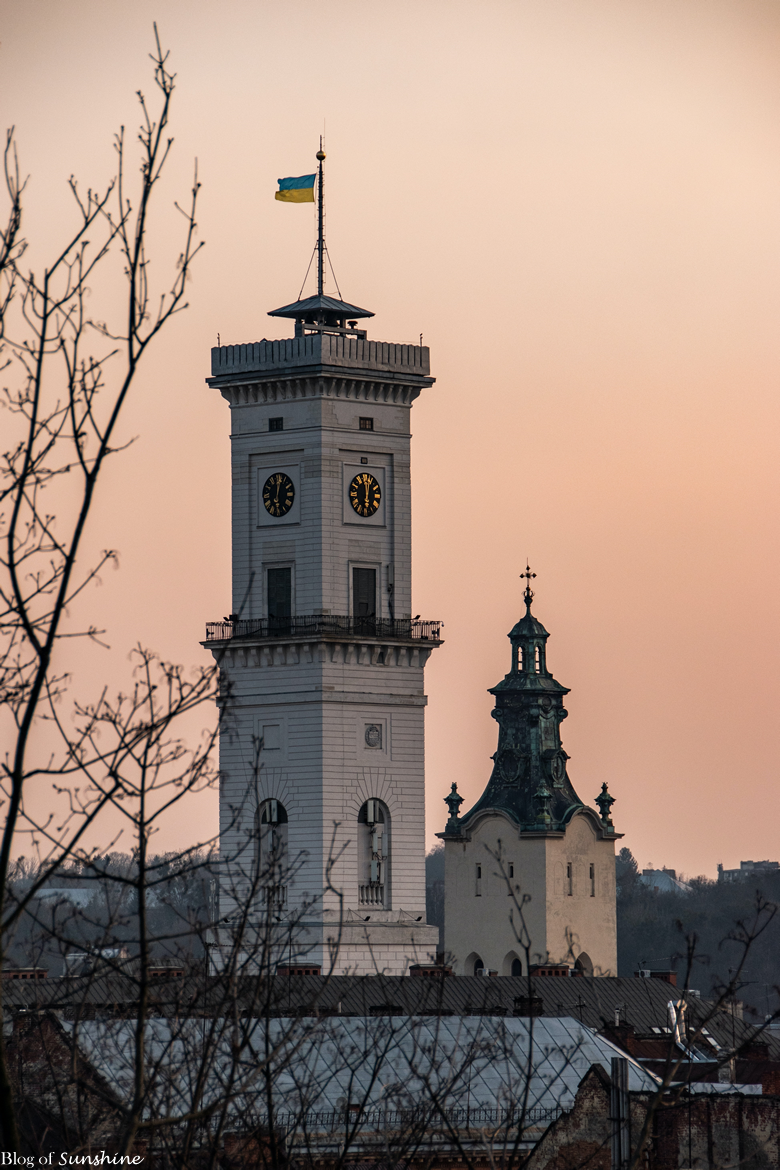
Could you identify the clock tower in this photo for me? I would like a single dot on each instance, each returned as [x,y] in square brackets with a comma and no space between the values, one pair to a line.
[321,661]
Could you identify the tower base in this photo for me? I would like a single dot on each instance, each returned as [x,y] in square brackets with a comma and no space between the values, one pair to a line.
[385,942]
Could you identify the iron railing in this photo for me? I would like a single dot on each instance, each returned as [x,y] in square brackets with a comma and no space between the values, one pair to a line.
[325,625]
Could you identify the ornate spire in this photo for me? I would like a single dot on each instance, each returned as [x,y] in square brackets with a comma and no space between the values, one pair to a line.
[528,593]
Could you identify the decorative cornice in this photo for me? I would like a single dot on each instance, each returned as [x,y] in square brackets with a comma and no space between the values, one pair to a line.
[346,651]
[253,392]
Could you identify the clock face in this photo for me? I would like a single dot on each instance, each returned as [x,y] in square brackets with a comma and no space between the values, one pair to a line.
[278,494]
[364,494]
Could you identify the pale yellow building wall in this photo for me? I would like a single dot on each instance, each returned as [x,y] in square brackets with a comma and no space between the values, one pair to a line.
[589,917]
[479,922]
[483,921]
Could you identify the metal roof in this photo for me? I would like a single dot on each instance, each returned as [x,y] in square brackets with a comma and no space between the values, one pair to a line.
[385,1064]
[643,1003]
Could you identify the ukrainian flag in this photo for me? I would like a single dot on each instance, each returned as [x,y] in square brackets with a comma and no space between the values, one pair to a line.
[300,190]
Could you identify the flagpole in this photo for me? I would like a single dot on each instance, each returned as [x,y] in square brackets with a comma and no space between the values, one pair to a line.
[321,228]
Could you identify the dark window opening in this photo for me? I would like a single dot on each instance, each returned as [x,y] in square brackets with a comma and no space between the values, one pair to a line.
[371,813]
[364,459]
[271,853]
[364,600]
[479,966]
[273,812]
[279,600]
[517,967]
[276,424]
[569,881]
[593,881]
[366,424]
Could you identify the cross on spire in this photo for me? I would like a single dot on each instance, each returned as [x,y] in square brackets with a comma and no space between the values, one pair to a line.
[528,594]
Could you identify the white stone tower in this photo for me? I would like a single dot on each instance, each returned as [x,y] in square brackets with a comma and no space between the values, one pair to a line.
[322,747]
[529,847]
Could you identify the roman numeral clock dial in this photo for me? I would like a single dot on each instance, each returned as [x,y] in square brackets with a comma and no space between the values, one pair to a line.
[365,494]
[278,494]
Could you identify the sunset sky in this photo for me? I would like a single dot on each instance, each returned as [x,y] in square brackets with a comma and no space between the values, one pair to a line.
[577,203]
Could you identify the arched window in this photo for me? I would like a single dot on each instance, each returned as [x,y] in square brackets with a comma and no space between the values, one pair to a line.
[538,660]
[517,967]
[271,852]
[479,966]
[374,854]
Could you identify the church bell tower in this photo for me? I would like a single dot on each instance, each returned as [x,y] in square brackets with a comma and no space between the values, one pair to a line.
[321,660]
[530,869]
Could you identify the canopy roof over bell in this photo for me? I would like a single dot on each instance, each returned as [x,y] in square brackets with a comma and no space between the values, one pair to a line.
[321,310]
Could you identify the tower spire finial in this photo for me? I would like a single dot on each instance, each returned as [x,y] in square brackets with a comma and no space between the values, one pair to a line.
[320,226]
[528,593]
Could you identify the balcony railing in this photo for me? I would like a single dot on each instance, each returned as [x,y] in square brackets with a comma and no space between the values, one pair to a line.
[325,625]
[275,897]
[372,894]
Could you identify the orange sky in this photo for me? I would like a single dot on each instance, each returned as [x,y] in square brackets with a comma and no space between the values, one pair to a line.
[577,204]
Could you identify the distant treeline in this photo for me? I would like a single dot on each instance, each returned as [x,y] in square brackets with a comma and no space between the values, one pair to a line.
[655,930]
[95,906]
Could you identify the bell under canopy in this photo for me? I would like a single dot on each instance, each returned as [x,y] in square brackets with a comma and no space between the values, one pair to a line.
[323,314]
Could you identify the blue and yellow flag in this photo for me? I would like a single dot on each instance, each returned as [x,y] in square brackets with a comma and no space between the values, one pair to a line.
[300,190]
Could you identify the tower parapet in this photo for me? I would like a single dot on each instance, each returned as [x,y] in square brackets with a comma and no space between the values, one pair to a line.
[321,354]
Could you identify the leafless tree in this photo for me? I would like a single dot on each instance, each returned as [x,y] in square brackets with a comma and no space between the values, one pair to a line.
[68,376]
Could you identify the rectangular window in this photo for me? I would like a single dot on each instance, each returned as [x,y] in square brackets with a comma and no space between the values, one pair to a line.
[276,424]
[366,424]
[478,890]
[279,600]
[569,880]
[593,881]
[364,599]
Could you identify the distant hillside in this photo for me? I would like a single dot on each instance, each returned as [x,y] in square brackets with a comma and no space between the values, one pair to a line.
[653,927]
